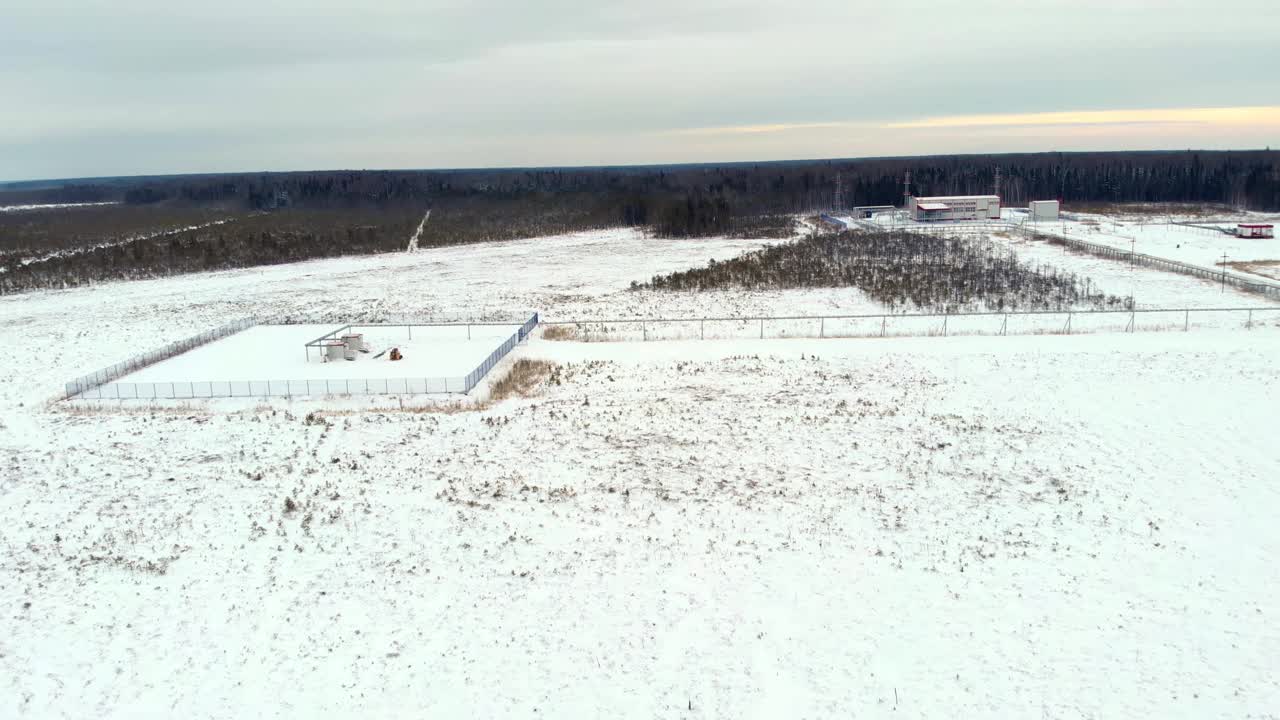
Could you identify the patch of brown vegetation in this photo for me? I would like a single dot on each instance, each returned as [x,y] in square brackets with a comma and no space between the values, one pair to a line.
[559,332]
[523,379]
[106,407]
[1265,268]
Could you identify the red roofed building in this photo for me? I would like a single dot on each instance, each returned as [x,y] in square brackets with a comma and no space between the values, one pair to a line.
[1255,230]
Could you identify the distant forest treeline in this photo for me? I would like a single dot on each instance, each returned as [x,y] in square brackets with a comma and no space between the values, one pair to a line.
[690,199]
[174,224]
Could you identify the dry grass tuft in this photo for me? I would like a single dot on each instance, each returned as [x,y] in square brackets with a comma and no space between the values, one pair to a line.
[107,407]
[436,408]
[559,332]
[523,379]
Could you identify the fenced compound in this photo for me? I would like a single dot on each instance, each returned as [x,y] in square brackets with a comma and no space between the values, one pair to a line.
[1036,322]
[100,385]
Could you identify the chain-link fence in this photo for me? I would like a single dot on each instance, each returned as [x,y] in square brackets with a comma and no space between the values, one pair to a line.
[1047,322]
[475,376]
[272,388]
[93,380]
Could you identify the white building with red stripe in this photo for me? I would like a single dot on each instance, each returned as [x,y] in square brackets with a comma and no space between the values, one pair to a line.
[961,207]
[1255,230]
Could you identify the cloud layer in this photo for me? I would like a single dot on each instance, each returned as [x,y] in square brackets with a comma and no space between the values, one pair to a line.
[143,86]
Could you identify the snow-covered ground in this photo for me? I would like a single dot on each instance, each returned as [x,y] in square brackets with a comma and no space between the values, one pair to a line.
[67,252]
[1149,287]
[1049,526]
[51,206]
[1193,245]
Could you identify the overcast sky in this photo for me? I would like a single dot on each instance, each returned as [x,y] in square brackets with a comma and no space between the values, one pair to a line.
[142,86]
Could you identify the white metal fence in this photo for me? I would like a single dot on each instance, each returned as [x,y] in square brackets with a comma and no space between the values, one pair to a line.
[99,385]
[87,383]
[1046,322]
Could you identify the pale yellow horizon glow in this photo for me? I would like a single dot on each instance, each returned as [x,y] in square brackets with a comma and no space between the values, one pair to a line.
[1224,116]
[762,129]
[1260,116]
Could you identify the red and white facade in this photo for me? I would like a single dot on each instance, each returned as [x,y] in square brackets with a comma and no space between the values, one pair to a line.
[1255,230]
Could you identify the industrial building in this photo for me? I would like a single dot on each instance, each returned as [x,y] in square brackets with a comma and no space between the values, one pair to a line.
[967,207]
[1043,210]
[1255,230]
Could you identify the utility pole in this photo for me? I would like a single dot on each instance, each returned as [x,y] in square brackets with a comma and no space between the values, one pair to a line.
[1224,273]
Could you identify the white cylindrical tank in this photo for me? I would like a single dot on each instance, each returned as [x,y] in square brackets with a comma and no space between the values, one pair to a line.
[334,351]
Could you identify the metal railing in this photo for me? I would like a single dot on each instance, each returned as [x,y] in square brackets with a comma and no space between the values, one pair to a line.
[1033,322]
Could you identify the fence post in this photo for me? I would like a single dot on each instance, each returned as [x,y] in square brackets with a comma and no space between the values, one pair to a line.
[702,329]
[944,324]
[1131,317]
[1249,324]
[761,328]
[1004,325]
[644,329]
[1186,321]
[822,327]
[883,320]
[1068,327]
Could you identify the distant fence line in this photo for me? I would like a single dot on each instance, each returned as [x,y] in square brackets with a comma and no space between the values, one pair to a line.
[1034,229]
[100,385]
[1029,322]
[1267,289]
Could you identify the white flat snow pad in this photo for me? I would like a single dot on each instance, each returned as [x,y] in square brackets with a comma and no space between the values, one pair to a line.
[278,352]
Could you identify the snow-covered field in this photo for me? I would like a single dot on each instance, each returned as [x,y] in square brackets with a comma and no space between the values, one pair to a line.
[1149,287]
[1193,245]
[1050,526]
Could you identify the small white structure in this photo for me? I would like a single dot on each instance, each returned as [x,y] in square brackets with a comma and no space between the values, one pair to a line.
[869,211]
[1255,230]
[964,207]
[355,342]
[1044,210]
